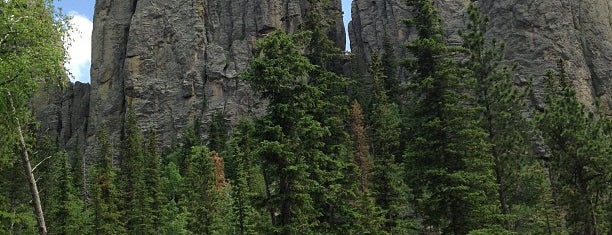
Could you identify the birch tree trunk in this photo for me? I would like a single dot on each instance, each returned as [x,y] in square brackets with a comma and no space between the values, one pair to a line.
[40,218]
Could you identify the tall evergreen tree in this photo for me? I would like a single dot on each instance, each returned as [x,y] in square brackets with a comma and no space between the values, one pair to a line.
[580,145]
[218,132]
[390,191]
[198,177]
[105,193]
[209,201]
[249,187]
[174,216]
[389,68]
[67,214]
[370,216]
[518,174]
[334,170]
[134,193]
[447,159]
[79,172]
[154,193]
[289,137]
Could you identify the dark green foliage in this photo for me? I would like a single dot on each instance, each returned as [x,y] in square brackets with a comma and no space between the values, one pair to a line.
[446,151]
[389,68]
[306,158]
[333,168]
[79,171]
[218,132]
[249,189]
[174,216]
[370,217]
[520,178]
[65,211]
[133,187]
[207,195]
[390,191]
[16,215]
[105,194]
[154,193]
[280,74]
[447,159]
[580,145]
[198,178]
[319,49]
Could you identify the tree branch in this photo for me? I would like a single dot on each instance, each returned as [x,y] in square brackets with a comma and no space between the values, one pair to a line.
[34,168]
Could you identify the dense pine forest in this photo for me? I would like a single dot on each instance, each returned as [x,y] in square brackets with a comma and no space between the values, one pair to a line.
[454,148]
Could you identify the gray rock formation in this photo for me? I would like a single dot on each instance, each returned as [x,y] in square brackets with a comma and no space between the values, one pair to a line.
[177,62]
[64,113]
[536,33]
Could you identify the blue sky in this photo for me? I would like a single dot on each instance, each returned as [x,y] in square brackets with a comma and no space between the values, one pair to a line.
[346,9]
[79,47]
[79,43]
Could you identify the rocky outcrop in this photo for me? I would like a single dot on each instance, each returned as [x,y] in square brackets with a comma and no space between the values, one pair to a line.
[64,113]
[536,33]
[177,62]
[539,33]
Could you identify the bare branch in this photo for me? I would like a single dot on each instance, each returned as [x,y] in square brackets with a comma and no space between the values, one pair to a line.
[34,168]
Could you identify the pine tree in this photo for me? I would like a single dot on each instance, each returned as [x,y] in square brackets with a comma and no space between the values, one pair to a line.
[288,136]
[174,216]
[371,218]
[334,170]
[208,194]
[79,173]
[447,157]
[218,132]
[222,207]
[67,214]
[153,185]
[133,179]
[198,178]
[518,174]
[390,191]
[389,68]
[580,147]
[249,187]
[107,217]
[16,215]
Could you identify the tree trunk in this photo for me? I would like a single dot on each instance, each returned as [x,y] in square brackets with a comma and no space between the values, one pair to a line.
[40,218]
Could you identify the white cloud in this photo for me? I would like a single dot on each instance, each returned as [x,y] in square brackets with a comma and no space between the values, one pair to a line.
[78,46]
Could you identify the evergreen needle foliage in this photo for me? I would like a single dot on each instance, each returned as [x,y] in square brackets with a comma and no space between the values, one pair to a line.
[448,149]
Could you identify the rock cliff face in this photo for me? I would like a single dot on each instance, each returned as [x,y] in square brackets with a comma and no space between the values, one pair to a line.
[64,113]
[536,33]
[176,62]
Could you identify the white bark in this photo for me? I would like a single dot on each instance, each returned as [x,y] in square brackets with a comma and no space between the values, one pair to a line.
[40,218]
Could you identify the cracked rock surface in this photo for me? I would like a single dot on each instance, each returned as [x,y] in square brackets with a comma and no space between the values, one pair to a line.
[175,62]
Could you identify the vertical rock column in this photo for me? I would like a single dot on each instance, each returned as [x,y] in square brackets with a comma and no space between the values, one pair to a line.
[112,22]
[175,62]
